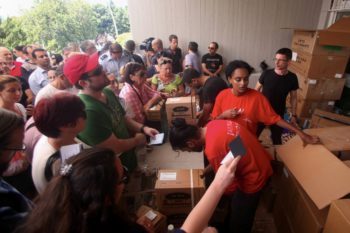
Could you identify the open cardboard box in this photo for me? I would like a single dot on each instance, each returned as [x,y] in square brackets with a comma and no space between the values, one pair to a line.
[321,174]
[337,34]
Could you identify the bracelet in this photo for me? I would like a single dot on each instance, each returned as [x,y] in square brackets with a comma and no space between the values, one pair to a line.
[142,129]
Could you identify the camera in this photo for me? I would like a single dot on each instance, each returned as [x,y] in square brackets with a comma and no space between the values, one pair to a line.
[147,44]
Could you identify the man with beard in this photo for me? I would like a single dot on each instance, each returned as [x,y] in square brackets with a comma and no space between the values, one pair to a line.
[13,205]
[107,125]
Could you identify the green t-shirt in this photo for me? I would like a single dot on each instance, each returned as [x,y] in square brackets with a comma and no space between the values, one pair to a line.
[103,120]
[168,88]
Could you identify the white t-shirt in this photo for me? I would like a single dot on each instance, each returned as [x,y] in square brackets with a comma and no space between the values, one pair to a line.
[42,151]
[49,91]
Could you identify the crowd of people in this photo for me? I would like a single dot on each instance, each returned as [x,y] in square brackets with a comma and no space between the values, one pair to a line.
[97,101]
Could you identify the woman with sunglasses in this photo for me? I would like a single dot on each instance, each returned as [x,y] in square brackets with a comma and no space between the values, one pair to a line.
[85,197]
[14,206]
[167,82]
[138,96]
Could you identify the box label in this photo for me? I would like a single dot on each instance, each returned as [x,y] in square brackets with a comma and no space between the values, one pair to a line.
[167,176]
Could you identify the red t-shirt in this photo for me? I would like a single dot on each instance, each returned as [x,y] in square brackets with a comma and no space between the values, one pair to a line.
[16,70]
[256,108]
[253,169]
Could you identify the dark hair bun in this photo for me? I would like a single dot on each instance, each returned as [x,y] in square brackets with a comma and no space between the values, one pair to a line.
[179,123]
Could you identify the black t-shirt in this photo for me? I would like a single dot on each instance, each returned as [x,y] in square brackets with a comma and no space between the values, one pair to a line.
[276,88]
[210,90]
[176,57]
[212,62]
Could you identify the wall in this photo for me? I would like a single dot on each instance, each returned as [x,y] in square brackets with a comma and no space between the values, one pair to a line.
[251,30]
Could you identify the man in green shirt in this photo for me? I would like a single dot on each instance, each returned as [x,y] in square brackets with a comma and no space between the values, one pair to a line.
[106,125]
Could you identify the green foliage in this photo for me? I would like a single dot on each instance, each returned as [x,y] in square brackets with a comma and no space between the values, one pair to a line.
[11,33]
[55,23]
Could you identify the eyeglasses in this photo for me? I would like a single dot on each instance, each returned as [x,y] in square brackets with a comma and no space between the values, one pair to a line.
[125,178]
[166,62]
[211,48]
[279,60]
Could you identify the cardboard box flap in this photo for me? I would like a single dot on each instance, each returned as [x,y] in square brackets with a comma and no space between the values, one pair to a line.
[337,34]
[333,138]
[323,177]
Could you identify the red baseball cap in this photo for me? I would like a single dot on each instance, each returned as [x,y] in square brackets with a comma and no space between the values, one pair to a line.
[79,64]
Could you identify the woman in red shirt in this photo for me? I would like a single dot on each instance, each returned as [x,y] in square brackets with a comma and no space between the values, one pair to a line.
[253,170]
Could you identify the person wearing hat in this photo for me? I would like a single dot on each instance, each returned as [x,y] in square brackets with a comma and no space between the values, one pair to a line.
[115,61]
[107,125]
[207,88]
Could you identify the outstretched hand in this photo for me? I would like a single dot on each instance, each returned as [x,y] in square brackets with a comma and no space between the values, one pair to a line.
[226,172]
[310,139]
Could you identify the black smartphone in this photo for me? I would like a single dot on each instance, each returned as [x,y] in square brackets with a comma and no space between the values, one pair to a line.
[237,147]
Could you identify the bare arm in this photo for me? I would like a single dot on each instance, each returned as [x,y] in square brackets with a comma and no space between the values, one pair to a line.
[30,96]
[218,70]
[307,139]
[137,127]
[122,145]
[199,217]
[204,117]
[258,86]
[155,99]
[205,70]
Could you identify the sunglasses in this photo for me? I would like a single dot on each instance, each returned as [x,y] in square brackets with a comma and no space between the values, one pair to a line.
[115,52]
[97,72]
[211,48]
[166,62]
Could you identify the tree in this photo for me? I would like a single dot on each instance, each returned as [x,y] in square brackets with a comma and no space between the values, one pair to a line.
[54,23]
[11,33]
[105,22]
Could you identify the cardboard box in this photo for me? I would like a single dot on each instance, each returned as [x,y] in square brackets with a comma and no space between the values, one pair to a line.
[321,174]
[321,119]
[178,190]
[297,210]
[320,89]
[158,220]
[337,34]
[318,66]
[181,107]
[155,112]
[338,220]
[305,108]
[308,41]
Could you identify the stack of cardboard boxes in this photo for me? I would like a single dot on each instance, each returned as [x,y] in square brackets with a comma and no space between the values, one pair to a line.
[319,60]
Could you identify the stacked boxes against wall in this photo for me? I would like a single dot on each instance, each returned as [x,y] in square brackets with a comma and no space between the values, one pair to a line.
[319,60]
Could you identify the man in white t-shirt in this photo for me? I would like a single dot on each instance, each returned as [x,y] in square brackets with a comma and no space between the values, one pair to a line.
[58,84]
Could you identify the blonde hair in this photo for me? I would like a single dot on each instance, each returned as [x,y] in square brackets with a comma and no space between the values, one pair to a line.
[5,79]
